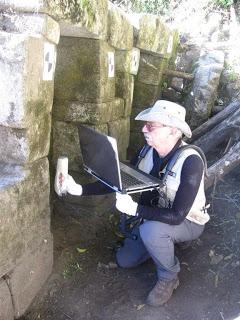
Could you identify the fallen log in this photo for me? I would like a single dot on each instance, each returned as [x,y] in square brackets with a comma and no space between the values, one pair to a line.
[214,121]
[229,128]
[223,166]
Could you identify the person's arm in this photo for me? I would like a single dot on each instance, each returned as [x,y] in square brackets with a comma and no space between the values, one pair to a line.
[191,175]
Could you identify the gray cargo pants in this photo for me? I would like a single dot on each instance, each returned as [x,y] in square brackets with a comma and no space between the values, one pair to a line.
[156,240]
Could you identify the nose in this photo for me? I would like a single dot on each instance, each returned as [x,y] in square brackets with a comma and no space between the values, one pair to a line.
[144,128]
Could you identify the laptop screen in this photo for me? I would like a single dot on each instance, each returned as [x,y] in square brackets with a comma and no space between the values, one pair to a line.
[99,153]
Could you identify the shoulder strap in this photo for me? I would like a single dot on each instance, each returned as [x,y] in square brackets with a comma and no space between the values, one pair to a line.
[176,155]
[143,153]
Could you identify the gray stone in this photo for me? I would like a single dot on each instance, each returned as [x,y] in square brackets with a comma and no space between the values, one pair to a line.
[29,275]
[78,18]
[66,142]
[25,214]
[201,99]
[124,90]
[177,84]
[90,113]
[153,35]
[117,109]
[145,94]
[120,31]
[127,60]
[120,129]
[171,95]
[136,125]
[20,146]
[83,71]
[25,95]
[187,58]
[6,306]
[31,24]
[83,112]
[151,69]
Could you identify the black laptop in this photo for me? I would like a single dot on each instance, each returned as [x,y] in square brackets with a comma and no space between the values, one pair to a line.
[100,159]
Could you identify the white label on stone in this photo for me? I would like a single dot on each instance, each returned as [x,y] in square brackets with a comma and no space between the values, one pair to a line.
[111,64]
[170,44]
[135,62]
[49,61]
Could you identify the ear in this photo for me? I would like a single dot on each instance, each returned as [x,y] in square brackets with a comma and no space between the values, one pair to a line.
[175,132]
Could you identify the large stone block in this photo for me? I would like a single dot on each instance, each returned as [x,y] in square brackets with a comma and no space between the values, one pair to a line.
[153,35]
[124,90]
[83,112]
[76,18]
[145,94]
[31,24]
[66,142]
[200,101]
[117,109]
[127,60]
[136,125]
[26,91]
[151,69]
[120,31]
[85,71]
[89,113]
[6,306]
[120,129]
[172,49]
[29,275]
[24,197]
[20,146]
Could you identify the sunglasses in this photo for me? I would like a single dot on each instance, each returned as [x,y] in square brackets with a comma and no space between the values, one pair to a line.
[150,127]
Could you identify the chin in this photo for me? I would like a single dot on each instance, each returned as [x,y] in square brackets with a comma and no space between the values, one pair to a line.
[149,142]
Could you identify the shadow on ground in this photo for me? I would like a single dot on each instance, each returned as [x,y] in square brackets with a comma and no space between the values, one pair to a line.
[84,286]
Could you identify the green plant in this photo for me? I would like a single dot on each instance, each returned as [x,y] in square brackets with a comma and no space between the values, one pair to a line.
[71,269]
[232,74]
[223,3]
[150,6]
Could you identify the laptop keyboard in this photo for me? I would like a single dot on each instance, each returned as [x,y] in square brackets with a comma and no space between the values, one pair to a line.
[130,181]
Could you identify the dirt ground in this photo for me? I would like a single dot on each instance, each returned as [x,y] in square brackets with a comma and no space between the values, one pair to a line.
[84,286]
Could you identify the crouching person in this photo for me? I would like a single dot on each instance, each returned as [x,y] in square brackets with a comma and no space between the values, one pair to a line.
[174,214]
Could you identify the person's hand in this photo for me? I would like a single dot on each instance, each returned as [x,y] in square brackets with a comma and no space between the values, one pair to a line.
[125,204]
[60,183]
[72,187]
[66,184]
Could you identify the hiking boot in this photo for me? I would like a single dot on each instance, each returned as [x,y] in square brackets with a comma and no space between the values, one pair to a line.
[162,292]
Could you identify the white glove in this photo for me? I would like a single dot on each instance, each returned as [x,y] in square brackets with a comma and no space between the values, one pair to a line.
[72,187]
[125,204]
[63,185]
[60,186]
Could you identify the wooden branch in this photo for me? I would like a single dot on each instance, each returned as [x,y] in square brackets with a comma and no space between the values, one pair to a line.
[179,74]
[211,123]
[224,165]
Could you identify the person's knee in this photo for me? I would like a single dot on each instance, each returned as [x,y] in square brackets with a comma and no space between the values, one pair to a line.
[124,261]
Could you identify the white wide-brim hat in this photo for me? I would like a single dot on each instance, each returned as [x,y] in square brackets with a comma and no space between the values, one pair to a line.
[168,113]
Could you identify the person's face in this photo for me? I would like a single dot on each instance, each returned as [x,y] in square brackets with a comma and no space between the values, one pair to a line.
[156,134]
